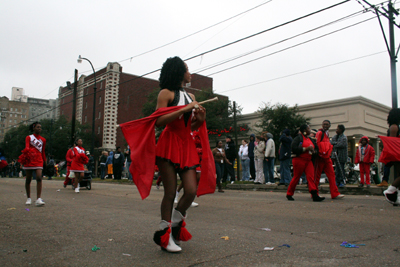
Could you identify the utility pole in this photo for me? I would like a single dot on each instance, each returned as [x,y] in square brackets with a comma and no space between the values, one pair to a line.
[393,54]
[51,134]
[236,140]
[389,14]
[74,108]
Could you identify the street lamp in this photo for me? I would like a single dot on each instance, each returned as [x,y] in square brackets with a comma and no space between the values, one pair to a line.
[94,99]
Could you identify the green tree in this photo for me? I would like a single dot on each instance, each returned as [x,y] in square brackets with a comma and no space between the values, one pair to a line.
[276,118]
[219,113]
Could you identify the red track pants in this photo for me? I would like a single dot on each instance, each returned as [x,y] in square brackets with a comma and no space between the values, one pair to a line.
[364,169]
[67,177]
[326,165]
[301,165]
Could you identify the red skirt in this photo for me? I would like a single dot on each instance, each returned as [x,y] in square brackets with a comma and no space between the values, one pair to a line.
[176,145]
[35,161]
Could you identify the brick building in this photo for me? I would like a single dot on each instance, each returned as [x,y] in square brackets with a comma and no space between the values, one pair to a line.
[120,97]
[12,113]
[39,108]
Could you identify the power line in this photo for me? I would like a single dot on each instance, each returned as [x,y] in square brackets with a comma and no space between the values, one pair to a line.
[290,47]
[187,36]
[209,27]
[281,41]
[267,30]
[301,72]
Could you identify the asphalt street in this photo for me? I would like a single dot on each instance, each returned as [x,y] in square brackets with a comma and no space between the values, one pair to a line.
[114,218]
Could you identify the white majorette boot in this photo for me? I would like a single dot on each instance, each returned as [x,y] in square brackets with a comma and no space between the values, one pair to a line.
[391,194]
[179,231]
[164,239]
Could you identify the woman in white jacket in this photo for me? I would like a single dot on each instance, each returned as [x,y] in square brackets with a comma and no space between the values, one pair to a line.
[259,148]
[244,157]
[269,159]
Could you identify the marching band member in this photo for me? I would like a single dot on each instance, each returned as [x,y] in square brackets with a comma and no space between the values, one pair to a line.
[79,159]
[33,159]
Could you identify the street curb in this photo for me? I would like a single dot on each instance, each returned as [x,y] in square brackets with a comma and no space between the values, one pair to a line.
[323,189]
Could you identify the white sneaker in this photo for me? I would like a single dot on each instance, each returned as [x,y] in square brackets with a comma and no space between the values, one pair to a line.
[194,204]
[28,201]
[77,190]
[232,182]
[391,195]
[39,202]
[339,196]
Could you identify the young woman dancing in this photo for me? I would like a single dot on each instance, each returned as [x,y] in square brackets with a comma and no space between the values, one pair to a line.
[176,152]
[33,159]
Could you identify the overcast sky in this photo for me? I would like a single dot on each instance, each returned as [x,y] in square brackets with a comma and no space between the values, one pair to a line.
[41,41]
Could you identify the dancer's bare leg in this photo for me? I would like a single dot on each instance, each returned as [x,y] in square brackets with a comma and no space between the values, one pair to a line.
[168,174]
[28,183]
[189,190]
[38,183]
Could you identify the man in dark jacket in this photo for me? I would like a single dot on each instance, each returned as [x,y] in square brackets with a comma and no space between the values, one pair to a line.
[118,163]
[230,153]
[285,156]
[251,156]
[339,142]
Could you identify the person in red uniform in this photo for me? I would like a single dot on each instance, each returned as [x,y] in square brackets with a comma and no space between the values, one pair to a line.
[79,158]
[68,158]
[303,148]
[365,156]
[33,159]
[176,152]
[323,162]
[390,155]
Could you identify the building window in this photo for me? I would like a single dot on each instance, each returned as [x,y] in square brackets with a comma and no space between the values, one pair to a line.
[16,109]
[11,109]
[85,118]
[99,99]
[15,115]
[98,130]
[10,120]
[99,114]
[15,121]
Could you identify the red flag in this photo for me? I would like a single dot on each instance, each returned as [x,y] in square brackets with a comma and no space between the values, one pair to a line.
[140,136]
[391,149]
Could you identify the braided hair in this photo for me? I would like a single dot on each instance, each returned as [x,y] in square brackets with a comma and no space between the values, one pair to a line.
[172,73]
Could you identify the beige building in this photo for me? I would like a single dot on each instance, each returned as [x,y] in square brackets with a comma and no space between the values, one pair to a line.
[360,116]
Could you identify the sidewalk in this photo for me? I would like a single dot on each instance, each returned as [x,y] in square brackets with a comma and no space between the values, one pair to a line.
[323,189]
